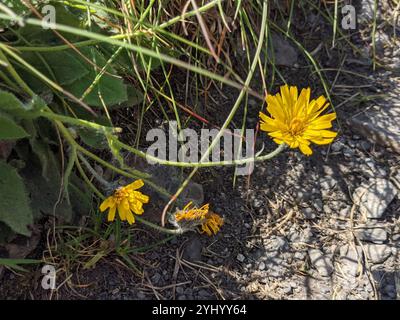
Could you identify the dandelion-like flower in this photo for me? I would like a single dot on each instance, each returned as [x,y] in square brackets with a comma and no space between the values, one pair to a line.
[127,200]
[191,217]
[297,121]
[213,222]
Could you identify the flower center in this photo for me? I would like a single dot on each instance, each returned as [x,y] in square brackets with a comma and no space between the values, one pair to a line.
[296,126]
[120,194]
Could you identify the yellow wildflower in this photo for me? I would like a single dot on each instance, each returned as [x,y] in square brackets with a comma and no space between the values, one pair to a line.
[192,213]
[297,121]
[213,222]
[127,201]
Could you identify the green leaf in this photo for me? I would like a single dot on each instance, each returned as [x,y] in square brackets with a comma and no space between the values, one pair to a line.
[9,102]
[92,138]
[44,187]
[63,67]
[36,35]
[10,130]
[81,196]
[44,154]
[13,106]
[134,97]
[112,89]
[14,263]
[14,205]
[6,234]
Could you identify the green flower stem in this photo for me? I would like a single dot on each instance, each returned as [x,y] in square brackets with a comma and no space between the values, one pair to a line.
[79,122]
[92,171]
[118,143]
[87,180]
[14,74]
[117,232]
[235,107]
[41,76]
[159,228]
[199,164]
[134,175]
[8,81]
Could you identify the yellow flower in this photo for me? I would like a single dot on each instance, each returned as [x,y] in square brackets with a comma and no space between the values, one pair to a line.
[192,217]
[213,222]
[192,213]
[127,201]
[297,121]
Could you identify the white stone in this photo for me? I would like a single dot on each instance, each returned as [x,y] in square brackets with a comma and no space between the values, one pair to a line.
[322,262]
[373,198]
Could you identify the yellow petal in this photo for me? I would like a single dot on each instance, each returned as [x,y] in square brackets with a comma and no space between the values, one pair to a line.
[137,207]
[326,117]
[123,209]
[305,149]
[136,184]
[107,203]
[130,217]
[322,141]
[287,99]
[319,125]
[294,93]
[311,134]
[275,108]
[111,213]
[141,197]
[301,106]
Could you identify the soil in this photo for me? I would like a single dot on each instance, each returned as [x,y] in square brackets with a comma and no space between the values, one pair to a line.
[290,213]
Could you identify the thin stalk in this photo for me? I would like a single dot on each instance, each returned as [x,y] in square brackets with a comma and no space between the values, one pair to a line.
[231,114]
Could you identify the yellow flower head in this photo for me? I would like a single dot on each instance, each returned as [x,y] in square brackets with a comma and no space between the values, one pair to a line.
[192,213]
[191,217]
[127,201]
[213,222]
[297,121]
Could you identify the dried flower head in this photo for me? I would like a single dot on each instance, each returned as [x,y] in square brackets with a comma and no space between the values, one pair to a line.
[127,200]
[191,217]
[190,212]
[213,222]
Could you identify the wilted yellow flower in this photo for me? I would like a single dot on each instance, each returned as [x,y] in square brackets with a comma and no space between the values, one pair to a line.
[297,121]
[127,201]
[191,217]
[213,222]
[192,213]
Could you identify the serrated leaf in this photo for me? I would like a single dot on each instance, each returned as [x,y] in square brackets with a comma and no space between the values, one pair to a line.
[10,130]
[14,204]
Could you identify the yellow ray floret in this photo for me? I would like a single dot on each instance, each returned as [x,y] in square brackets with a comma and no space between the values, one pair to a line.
[127,201]
[189,212]
[213,222]
[297,121]
[202,218]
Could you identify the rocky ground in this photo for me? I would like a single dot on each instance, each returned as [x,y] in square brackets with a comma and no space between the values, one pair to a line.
[320,227]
